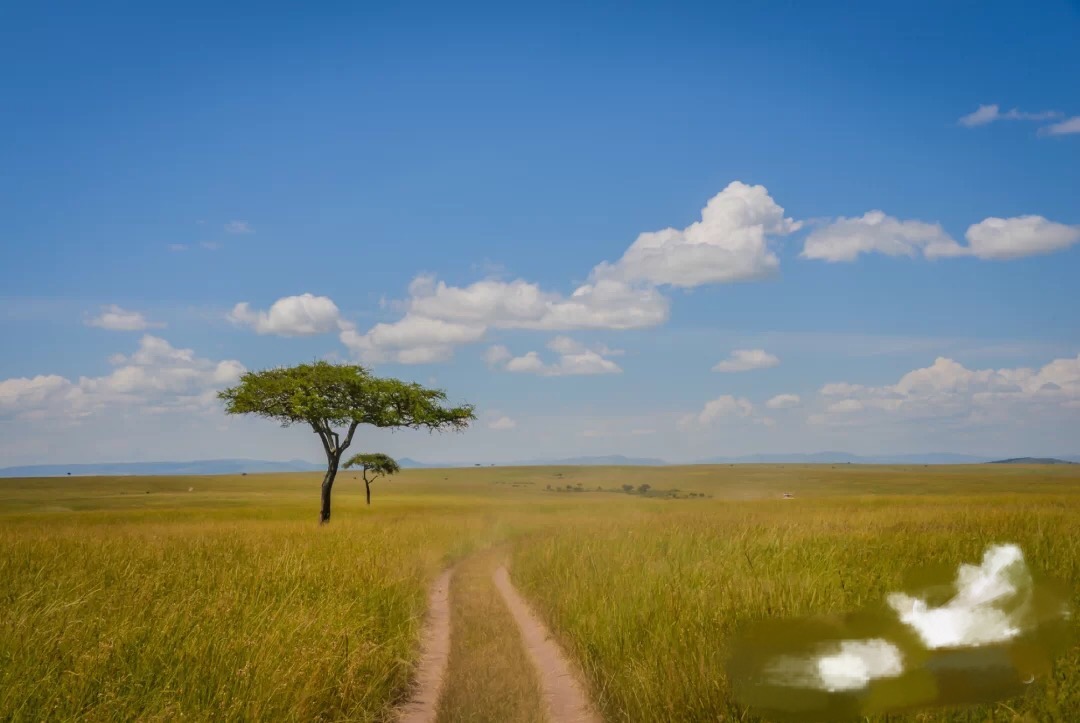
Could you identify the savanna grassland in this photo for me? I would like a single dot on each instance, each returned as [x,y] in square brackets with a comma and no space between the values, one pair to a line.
[221,597]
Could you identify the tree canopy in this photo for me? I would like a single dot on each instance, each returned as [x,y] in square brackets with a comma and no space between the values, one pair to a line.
[372,466]
[328,397]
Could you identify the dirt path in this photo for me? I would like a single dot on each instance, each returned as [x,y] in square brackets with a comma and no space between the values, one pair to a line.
[567,701]
[434,653]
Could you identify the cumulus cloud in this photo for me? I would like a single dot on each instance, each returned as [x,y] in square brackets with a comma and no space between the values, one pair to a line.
[114,318]
[412,340]
[1011,238]
[575,359]
[950,392]
[992,238]
[729,243]
[156,378]
[303,315]
[742,360]
[783,401]
[724,407]
[875,232]
[439,317]
[1063,128]
[986,114]
[523,305]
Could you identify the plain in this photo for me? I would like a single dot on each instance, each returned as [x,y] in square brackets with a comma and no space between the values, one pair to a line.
[221,597]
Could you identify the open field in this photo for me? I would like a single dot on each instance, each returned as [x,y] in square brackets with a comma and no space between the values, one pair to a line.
[220,597]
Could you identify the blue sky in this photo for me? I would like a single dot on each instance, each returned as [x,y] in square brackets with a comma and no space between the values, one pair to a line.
[173,163]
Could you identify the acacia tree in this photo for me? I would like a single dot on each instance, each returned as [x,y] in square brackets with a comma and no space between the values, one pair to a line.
[330,397]
[372,467]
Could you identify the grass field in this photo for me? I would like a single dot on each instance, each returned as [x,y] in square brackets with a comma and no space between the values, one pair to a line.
[220,597]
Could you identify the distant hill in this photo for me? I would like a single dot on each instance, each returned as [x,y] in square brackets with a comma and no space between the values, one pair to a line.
[1033,460]
[256,466]
[846,458]
[613,460]
[194,467]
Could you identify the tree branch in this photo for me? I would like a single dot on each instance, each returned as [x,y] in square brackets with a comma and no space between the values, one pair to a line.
[349,436]
[322,438]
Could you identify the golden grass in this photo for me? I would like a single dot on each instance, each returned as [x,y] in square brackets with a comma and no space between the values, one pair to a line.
[648,606]
[490,678]
[135,598]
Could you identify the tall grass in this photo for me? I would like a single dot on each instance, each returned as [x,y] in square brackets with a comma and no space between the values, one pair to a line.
[220,597]
[490,678]
[274,621]
[649,607]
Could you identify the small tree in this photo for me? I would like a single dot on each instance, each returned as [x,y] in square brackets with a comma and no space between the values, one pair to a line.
[644,489]
[628,488]
[326,396]
[372,467]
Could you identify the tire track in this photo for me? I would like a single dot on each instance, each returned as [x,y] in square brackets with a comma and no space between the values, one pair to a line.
[566,697]
[434,654]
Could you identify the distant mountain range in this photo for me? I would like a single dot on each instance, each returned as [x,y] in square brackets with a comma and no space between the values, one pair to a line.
[612,460]
[255,466]
[845,458]
[196,467]
[1037,460]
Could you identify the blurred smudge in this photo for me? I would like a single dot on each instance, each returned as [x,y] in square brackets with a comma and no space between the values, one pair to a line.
[980,634]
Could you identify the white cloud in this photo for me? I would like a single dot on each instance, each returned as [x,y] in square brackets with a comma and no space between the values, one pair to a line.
[157,378]
[783,401]
[992,238]
[575,359]
[875,232]
[239,227]
[178,247]
[523,305]
[742,360]
[1063,128]
[439,317]
[496,355]
[210,245]
[302,315]
[949,392]
[724,407]
[114,318]
[502,423]
[729,243]
[1011,238]
[412,340]
[985,114]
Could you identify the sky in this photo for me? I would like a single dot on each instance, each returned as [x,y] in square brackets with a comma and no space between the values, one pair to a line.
[677,229]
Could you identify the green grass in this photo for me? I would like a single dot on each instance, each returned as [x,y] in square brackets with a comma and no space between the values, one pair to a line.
[221,598]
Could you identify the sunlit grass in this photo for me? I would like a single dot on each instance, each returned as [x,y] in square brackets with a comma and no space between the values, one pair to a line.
[221,597]
[490,678]
[649,606]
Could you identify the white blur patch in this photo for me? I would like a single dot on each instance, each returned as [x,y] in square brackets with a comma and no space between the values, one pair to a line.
[850,665]
[990,605]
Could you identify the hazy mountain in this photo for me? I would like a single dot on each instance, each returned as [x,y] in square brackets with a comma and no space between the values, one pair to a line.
[609,460]
[255,466]
[846,458]
[194,467]
[1033,460]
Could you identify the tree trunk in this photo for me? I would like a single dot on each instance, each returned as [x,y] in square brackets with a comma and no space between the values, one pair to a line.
[327,486]
[367,487]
